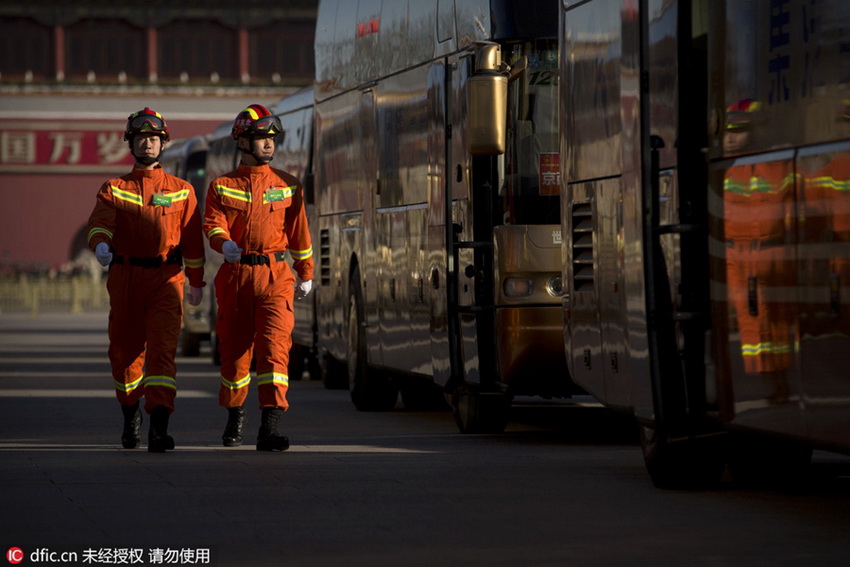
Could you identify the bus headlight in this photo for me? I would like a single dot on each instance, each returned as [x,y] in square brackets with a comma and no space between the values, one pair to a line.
[555,287]
[517,287]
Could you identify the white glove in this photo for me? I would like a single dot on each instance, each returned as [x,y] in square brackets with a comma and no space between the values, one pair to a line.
[196,294]
[232,253]
[302,288]
[102,253]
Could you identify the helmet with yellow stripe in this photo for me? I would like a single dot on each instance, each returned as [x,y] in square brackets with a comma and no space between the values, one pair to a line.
[146,121]
[256,120]
[741,114]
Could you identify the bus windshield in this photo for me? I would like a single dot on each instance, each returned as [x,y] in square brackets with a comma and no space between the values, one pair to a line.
[530,167]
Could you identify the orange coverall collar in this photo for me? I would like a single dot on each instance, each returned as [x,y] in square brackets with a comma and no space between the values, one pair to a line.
[252,169]
[151,173]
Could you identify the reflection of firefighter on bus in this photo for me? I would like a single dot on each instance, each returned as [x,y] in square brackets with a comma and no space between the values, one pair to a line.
[758,216]
[827,223]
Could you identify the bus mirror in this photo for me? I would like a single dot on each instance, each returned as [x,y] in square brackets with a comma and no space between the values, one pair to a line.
[487,96]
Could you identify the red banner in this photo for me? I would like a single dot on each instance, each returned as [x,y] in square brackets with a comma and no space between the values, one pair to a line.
[63,147]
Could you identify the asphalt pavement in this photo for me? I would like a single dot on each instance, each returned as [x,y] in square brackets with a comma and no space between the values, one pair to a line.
[562,487]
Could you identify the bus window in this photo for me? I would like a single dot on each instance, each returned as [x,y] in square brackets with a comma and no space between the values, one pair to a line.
[530,192]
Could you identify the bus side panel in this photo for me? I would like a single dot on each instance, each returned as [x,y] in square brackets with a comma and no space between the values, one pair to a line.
[779,284]
[402,125]
[756,318]
[824,293]
[603,218]
[293,155]
[342,186]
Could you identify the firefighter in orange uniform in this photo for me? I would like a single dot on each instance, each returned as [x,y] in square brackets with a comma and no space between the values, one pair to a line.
[145,225]
[827,223]
[759,217]
[253,215]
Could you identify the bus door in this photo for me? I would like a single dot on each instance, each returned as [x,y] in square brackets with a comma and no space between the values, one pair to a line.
[453,270]
[441,183]
[472,250]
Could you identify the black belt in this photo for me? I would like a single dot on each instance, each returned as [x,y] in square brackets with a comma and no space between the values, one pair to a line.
[149,262]
[261,259]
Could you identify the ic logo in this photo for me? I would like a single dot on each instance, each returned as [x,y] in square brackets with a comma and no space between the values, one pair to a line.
[15,555]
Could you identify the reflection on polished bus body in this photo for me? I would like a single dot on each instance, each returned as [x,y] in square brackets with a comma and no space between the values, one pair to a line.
[438,265]
[705,198]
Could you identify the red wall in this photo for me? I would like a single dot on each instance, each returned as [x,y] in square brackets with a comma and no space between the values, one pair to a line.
[41,213]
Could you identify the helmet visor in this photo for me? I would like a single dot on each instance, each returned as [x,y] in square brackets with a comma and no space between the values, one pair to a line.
[146,123]
[267,125]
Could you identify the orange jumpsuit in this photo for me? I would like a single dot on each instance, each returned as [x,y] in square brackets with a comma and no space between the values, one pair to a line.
[147,217]
[260,209]
[758,215]
[827,226]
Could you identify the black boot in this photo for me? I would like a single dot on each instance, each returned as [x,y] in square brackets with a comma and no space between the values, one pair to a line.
[159,441]
[268,439]
[131,437]
[235,425]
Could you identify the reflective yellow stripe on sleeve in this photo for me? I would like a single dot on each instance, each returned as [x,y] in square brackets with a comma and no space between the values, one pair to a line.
[98,230]
[195,262]
[301,254]
[217,230]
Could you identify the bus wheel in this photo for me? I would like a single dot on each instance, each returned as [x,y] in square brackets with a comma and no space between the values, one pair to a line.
[481,413]
[692,463]
[370,390]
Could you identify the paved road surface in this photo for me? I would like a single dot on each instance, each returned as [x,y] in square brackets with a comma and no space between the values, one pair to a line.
[563,487]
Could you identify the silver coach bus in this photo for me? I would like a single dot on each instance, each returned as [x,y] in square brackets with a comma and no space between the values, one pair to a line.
[706,223]
[438,251]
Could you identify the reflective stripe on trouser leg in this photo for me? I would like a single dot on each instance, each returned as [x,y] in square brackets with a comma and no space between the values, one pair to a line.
[765,344]
[235,328]
[272,344]
[160,391]
[126,337]
[232,394]
[271,390]
[128,393]
[163,319]
[146,310]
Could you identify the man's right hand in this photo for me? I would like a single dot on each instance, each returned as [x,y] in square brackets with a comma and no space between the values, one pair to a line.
[102,253]
[232,253]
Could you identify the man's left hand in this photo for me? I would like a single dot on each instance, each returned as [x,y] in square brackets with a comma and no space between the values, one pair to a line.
[196,294]
[302,288]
